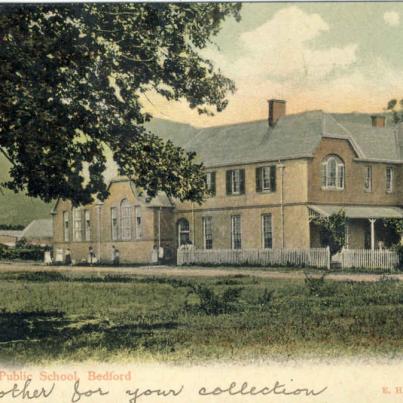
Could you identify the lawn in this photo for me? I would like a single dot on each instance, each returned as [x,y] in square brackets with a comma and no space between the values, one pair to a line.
[53,316]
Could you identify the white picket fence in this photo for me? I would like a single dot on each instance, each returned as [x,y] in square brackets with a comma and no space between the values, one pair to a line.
[316,257]
[369,259]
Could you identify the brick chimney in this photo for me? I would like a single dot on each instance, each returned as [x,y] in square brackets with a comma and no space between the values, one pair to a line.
[276,111]
[378,121]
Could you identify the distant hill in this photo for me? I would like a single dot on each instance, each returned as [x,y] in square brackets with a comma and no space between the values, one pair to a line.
[16,208]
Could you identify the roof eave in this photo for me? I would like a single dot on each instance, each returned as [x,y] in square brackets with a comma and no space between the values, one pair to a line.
[261,161]
[379,160]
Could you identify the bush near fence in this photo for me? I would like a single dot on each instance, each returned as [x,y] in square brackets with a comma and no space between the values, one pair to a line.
[31,252]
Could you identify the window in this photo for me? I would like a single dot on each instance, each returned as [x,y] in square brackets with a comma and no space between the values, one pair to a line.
[368,178]
[183,232]
[207,232]
[389,179]
[114,223]
[210,183]
[87,222]
[235,182]
[125,220]
[77,225]
[332,175]
[266,179]
[236,232]
[235,179]
[267,231]
[66,225]
[139,229]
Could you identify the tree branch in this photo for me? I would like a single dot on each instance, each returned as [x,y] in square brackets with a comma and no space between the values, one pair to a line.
[7,156]
[137,60]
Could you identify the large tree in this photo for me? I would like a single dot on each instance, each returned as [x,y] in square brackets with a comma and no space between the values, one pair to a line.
[71,81]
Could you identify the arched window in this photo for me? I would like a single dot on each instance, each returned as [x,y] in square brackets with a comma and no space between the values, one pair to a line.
[183,232]
[126,220]
[332,173]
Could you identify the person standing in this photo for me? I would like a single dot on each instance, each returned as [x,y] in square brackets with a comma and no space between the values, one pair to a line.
[67,257]
[115,256]
[91,255]
[154,255]
[160,254]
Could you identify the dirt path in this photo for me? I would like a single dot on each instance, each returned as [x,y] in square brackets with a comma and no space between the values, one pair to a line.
[192,271]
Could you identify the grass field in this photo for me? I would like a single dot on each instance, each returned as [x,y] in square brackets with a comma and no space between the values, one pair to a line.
[52,316]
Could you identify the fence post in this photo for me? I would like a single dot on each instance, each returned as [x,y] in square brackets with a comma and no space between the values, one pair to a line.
[328,257]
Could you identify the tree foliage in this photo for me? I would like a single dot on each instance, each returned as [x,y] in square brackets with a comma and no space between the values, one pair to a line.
[395,224]
[393,232]
[333,230]
[396,107]
[71,80]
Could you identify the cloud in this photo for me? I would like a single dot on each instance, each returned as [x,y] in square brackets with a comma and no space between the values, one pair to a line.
[282,58]
[282,48]
[391,18]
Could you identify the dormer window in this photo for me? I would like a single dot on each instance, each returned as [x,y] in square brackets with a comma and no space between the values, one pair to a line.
[332,173]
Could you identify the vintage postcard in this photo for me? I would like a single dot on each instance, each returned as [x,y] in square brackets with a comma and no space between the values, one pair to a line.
[201,202]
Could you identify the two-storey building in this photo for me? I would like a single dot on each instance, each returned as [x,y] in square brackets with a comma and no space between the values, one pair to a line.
[267,179]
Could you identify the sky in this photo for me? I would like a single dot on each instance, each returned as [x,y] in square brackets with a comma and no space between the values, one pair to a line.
[345,57]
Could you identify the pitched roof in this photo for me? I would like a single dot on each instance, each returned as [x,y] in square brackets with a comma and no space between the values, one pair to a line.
[359,211]
[39,229]
[294,136]
[11,233]
[160,199]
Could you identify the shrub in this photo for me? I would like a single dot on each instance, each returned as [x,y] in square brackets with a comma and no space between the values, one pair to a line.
[213,304]
[22,251]
[399,250]
[41,276]
[315,285]
[332,230]
[266,298]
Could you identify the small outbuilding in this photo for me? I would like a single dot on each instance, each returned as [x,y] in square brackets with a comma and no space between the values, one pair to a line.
[39,232]
[9,237]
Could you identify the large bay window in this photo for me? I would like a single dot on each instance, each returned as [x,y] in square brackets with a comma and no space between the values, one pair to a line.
[77,225]
[125,220]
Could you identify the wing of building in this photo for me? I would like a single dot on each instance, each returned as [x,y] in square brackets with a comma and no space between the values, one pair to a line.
[268,179]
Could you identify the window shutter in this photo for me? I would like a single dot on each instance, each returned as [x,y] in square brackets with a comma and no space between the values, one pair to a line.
[323,174]
[228,181]
[213,183]
[242,181]
[273,178]
[258,179]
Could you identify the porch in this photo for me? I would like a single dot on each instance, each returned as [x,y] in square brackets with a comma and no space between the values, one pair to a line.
[364,226]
